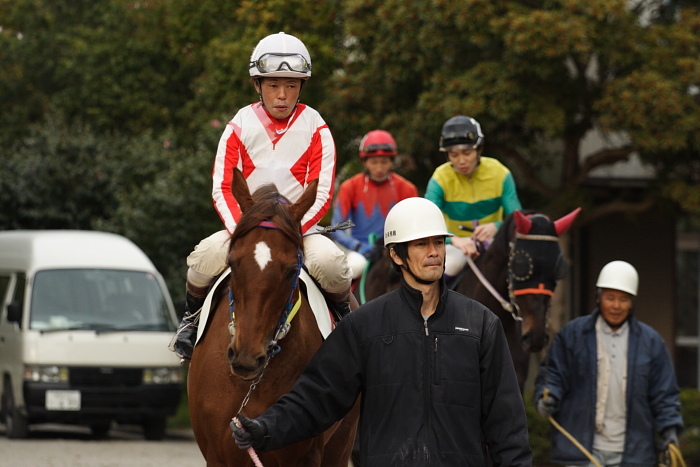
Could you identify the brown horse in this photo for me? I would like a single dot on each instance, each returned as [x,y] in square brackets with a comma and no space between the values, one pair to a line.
[275,334]
[379,276]
[524,254]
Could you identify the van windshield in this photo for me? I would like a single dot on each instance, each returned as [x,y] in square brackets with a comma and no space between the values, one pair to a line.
[102,300]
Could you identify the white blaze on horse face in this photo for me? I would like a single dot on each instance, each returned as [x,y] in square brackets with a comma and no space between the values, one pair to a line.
[263,255]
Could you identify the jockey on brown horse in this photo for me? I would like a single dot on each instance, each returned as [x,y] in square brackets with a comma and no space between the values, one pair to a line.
[281,141]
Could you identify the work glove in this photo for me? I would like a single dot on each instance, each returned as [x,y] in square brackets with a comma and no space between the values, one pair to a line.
[668,436]
[548,407]
[251,433]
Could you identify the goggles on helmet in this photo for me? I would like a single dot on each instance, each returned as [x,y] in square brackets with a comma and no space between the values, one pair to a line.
[372,148]
[272,62]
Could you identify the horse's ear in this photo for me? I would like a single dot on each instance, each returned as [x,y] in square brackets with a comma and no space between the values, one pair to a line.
[303,204]
[561,225]
[522,223]
[240,190]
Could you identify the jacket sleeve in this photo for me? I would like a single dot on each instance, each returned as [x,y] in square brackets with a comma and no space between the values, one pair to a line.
[342,210]
[509,199]
[553,371]
[435,193]
[503,412]
[663,389]
[227,157]
[406,189]
[321,165]
[322,395]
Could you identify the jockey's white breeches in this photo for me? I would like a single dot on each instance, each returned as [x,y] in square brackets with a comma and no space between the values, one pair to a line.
[324,260]
[357,263]
[455,260]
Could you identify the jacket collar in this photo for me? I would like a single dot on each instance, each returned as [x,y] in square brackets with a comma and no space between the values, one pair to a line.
[414,298]
[593,317]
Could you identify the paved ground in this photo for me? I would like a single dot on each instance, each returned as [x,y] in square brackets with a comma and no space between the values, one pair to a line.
[61,446]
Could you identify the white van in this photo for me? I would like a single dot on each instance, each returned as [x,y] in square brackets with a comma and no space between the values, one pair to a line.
[84,330]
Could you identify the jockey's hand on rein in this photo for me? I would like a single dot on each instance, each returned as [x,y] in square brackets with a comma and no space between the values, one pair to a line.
[252,433]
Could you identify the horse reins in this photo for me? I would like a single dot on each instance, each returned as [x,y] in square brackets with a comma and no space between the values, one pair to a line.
[510,307]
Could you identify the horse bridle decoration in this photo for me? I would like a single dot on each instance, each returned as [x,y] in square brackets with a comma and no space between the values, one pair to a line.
[290,308]
[521,266]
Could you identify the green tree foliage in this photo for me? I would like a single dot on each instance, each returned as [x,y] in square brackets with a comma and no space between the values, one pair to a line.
[112,110]
[540,77]
[59,177]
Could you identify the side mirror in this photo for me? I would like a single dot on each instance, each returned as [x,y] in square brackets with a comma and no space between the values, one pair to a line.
[14,312]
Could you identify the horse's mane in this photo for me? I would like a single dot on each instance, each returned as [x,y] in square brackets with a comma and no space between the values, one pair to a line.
[269,206]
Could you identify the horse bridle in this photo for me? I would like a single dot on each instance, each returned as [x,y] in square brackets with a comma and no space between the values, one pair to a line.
[290,308]
[510,305]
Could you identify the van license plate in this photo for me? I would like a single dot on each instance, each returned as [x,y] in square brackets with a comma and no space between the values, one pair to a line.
[62,400]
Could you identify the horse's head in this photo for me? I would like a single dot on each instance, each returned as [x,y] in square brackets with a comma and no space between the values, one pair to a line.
[265,258]
[535,265]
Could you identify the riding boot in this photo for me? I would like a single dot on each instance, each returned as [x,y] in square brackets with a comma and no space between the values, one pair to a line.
[342,307]
[340,304]
[183,341]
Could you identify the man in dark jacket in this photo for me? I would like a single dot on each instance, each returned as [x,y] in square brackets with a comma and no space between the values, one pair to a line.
[610,381]
[433,368]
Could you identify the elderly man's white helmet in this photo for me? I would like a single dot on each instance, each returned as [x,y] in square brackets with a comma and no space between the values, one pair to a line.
[280,56]
[619,275]
[414,218]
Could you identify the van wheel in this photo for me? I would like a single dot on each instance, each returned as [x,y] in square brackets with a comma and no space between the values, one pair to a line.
[154,429]
[100,430]
[16,424]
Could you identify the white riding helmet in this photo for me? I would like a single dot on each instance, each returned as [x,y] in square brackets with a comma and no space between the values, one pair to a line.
[414,218]
[619,275]
[280,55]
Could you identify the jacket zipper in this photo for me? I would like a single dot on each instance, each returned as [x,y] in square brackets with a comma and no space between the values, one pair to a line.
[436,367]
[426,376]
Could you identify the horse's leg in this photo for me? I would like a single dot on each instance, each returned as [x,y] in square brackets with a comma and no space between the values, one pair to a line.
[521,359]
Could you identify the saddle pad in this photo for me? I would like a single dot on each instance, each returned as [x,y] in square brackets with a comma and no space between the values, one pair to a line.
[318,304]
[204,313]
[314,295]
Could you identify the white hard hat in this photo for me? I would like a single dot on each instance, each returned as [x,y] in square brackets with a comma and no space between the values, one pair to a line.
[281,56]
[619,275]
[414,218]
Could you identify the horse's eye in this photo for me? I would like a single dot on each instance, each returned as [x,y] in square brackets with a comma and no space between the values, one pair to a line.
[291,272]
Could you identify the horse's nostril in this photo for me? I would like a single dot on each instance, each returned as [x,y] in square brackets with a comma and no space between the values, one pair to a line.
[230,354]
